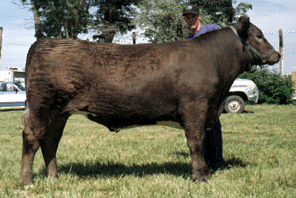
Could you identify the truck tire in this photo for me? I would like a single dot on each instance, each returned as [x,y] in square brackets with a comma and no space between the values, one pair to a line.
[234,104]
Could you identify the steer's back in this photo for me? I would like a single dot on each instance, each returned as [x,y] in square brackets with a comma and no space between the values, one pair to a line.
[71,61]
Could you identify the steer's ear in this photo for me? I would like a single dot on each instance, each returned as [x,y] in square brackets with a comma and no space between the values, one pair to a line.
[244,18]
[243,27]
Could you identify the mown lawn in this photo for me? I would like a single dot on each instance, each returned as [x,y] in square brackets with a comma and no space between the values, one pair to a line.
[259,148]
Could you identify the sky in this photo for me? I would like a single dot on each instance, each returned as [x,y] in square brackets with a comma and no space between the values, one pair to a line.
[268,15]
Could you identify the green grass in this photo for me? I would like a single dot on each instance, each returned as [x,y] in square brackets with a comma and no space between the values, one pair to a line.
[259,148]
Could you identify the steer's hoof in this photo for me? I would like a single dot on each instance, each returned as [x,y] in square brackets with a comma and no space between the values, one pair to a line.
[27,183]
[200,179]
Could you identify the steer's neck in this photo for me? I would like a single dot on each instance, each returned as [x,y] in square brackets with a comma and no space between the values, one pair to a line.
[233,59]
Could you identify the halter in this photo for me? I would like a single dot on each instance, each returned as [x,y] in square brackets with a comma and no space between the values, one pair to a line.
[250,49]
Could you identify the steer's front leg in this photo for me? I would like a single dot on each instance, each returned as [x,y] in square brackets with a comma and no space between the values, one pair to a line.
[199,168]
[194,117]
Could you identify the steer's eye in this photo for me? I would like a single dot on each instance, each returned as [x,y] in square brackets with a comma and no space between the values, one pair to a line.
[260,36]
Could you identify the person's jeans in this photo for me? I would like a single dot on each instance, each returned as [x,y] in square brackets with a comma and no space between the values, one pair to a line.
[213,153]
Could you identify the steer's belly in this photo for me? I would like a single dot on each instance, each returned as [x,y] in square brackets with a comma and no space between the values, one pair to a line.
[160,123]
[170,124]
[113,126]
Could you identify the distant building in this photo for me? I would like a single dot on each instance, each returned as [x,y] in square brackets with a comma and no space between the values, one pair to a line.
[13,74]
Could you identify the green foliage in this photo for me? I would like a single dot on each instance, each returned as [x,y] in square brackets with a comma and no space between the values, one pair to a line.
[222,12]
[273,88]
[241,9]
[113,17]
[68,18]
[63,18]
[163,20]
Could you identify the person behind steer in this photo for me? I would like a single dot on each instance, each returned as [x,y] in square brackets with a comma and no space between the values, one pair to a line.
[213,153]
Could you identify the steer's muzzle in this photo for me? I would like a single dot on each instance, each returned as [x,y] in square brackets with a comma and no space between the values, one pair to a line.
[275,57]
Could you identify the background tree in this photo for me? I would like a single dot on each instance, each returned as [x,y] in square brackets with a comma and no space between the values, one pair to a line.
[68,18]
[60,18]
[37,20]
[222,11]
[163,20]
[111,17]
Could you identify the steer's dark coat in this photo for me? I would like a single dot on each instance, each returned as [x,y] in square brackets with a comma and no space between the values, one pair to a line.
[124,85]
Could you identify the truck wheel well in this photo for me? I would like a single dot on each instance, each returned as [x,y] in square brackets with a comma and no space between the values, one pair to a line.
[241,94]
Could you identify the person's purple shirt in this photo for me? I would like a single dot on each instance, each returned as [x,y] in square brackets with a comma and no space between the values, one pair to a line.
[204,29]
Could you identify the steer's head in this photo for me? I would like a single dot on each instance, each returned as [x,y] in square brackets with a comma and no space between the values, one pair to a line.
[255,44]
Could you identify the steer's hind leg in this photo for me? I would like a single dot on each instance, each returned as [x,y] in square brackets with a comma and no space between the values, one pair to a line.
[194,116]
[49,144]
[31,136]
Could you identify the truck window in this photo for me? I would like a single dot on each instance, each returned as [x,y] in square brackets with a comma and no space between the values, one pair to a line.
[9,87]
[3,87]
[20,86]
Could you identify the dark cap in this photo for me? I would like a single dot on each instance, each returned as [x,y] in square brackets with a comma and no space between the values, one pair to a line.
[191,9]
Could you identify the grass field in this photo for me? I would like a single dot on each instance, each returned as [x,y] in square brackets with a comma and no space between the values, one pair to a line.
[259,149]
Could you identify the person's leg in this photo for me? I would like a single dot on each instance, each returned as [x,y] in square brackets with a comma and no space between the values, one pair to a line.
[214,147]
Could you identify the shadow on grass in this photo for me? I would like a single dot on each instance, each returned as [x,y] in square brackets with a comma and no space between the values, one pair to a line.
[234,162]
[229,163]
[109,169]
[118,170]
[11,110]
[245,111]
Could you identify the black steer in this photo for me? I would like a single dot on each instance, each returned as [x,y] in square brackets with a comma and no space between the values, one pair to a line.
[123,85]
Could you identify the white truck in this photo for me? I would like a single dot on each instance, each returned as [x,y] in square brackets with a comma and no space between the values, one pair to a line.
[13,75]
[12,95]
[241,90]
